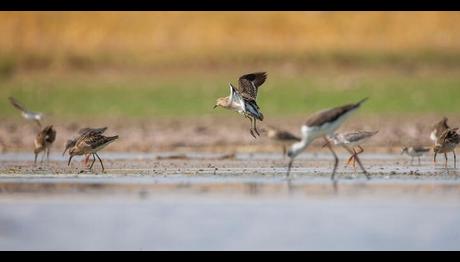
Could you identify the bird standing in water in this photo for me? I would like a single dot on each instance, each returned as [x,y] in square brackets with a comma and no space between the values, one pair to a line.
[322,124]
[43,142]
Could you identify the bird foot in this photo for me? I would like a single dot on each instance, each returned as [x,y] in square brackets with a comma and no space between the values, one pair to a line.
[252,133]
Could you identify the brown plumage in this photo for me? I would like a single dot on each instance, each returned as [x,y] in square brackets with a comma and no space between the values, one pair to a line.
[248,84]
[438,129]
[243,99]
[330,115]
[281,137]
[43,141]
[84,131]
[91,143]
[446,143]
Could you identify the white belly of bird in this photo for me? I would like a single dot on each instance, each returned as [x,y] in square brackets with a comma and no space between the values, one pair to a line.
[325,129]
[433,136]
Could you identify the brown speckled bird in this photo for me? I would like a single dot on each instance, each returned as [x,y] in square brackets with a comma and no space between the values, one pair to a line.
[438,129]
[43,142]
[84,131]
[90,144]
[243,98]
[446,143]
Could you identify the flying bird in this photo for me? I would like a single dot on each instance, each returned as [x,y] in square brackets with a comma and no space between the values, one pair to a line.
[29,115]
[243,98]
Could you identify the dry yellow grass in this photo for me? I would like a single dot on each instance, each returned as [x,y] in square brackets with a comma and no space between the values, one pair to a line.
[145,36]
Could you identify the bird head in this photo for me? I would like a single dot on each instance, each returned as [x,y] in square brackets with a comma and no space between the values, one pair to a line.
[70,143]
[222,102]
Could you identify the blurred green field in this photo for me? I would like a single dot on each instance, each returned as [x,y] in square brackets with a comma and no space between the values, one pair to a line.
[142,96]
[173,64]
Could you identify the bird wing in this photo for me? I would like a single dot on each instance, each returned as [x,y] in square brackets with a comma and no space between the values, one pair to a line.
[330,115]
[421,149]
[92,131]
[356,136]
[17,105]
[285,135]
[248,84]
[440,127]
[449,136]
[50,134]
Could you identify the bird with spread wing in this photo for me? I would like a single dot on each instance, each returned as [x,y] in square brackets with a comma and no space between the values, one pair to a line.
[29,115]
[243,98]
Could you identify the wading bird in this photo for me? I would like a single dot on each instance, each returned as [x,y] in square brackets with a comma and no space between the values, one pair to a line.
[90,144]
[243,98]
[43,142]
[446,143]
[415,151]
[280,137]
[322,124]
[82,132]
[353,139]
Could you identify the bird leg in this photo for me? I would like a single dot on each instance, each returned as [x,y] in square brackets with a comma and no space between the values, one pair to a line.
[455,159]
[289,167]
[445,155]
[250,129]
[356,154]
[86,159]
[418,160]
[359,162]
[434,158]
[284,152]
[35,161]
[255,127]
[349,159]
[354,159]
[100,162]
[336,159]
[92,163]
[48,154]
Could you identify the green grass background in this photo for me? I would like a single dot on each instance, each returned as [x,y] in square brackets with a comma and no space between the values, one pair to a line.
[189,95]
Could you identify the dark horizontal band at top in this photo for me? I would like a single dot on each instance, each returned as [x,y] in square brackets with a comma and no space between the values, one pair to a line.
[233,5]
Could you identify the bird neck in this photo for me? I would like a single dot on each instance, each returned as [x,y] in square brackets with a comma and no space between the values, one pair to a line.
[298,147]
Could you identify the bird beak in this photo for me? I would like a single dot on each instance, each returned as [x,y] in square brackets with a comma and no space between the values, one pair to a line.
[214,107]
[63,153]
[70,158]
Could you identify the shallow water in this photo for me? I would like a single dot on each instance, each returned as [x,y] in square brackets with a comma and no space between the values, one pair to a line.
[244,203]
[222,223]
